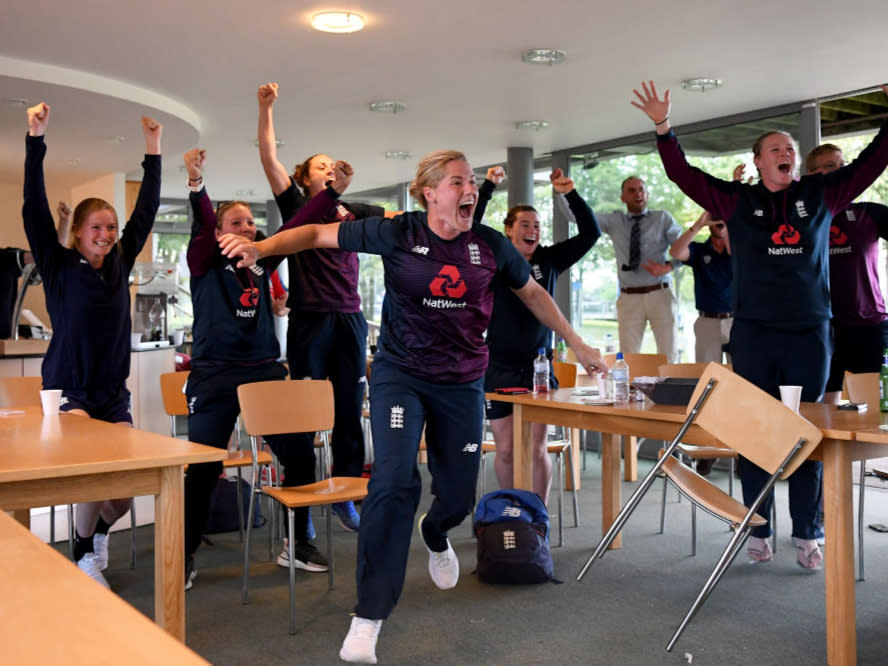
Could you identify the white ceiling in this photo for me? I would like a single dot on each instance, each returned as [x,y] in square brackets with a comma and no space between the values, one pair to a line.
[456,65]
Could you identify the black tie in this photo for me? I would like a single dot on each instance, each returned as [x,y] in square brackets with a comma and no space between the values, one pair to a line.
[634,244]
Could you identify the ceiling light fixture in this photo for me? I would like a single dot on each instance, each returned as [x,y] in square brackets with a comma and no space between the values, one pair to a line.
[277,142]
[117,139]
[701,84]
[544,57]
[387,106]
[397,155]
[17,101]
[532,124]
[338,22]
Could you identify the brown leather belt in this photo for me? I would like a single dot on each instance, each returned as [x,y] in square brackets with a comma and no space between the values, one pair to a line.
[715,315]
[645,290]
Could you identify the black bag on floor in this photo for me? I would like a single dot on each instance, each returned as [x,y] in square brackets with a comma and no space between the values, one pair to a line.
[223,506]
[512,528]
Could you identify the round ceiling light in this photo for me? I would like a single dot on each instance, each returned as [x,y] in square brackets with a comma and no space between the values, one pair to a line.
[532,124]
[397,155]
[337,22]
[701,84]
[544,57]
[387,106]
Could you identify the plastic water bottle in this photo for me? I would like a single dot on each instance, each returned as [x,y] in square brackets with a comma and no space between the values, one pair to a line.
[620,374]
[609,346]
[883,383]
[541,372]
[561,351]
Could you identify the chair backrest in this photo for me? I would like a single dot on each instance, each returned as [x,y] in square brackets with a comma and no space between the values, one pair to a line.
[685,370]
[640,365]
[756,425]
[174,401]
[565,373]
[276,407]
[863,387]
[20,391]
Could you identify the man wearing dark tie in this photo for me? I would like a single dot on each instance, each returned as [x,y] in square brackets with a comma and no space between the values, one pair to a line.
[641,238]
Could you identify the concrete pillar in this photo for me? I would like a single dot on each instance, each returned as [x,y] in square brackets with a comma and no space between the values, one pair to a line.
[519,167]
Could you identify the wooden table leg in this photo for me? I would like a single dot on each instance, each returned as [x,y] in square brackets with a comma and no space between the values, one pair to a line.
[841,622]
[630,458]
[522,460]
[169,552]
[611,487]
[23,516]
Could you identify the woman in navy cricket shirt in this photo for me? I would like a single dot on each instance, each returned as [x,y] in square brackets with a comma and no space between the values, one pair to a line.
[780,257]
[87,296]
[429,369]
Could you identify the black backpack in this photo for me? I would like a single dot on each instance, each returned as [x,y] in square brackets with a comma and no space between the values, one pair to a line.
[512,528]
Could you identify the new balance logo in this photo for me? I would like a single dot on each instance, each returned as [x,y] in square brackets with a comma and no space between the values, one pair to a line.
[509,540]
[420,249]
[396,418]
[470,448]
[511,512]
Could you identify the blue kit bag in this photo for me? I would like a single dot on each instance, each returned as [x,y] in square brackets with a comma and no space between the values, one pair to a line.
[512,528]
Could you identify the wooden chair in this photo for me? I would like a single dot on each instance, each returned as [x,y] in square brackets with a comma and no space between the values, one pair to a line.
[862,387]
[640,365]
[757,426]
[172,391]
[693,452]
[25,392]
[309,409]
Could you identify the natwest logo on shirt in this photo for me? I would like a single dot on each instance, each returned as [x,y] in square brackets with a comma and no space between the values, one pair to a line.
[837,237]
[448,283]
[786,234]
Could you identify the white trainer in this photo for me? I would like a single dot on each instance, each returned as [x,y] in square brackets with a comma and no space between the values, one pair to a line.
[89,564]
[100,548]
[444,565]
[359,646]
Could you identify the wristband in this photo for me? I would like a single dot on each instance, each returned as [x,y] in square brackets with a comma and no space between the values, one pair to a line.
[662,121]
[195,180]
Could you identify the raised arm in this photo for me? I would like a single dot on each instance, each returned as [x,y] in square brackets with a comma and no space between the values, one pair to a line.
[38,222]
[275,171]
[545,309]
[568,252]
[140,223]
[202,246]
[495,176]
[680,249]
[656,109]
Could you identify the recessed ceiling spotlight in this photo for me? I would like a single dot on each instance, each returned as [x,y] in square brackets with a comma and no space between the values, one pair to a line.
[397,155]
[544,57]
[387,106]
[245,193]
[532,124]
[117,139]
[338,22]
[701,84]
[277,142]
[74,161]
[17,101]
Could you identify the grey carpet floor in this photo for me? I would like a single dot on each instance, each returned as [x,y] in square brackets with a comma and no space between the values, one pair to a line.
[623,612]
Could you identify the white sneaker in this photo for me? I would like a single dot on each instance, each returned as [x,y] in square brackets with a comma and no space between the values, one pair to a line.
[90,565]
[359,645]
[443,566]
[100,548]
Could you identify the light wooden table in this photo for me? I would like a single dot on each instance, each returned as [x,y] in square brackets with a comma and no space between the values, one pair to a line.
[847,436]
[46,460]
[51,613]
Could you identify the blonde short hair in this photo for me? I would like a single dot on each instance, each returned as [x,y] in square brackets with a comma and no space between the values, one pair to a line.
[430,172]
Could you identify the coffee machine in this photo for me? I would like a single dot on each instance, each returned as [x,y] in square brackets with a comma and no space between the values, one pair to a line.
[155,285]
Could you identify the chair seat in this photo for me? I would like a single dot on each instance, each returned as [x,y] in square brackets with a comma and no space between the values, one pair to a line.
[243,459]
[488,447]
[328,491]
[558,446]
[705,452]
[708,496]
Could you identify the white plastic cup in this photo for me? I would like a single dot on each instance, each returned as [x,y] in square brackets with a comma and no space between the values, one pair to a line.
[791,396]
[50,400]
[178,337]
[135,340]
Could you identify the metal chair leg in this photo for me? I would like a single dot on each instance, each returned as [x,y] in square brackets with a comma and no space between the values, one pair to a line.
[71,531]
[860,520]
[250,513]
[240,504]
[51,525]
[133,533]
[570,471]
[291,529]
[560,457]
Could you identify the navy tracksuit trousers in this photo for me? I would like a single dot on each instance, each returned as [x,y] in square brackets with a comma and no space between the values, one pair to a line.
[400,405]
